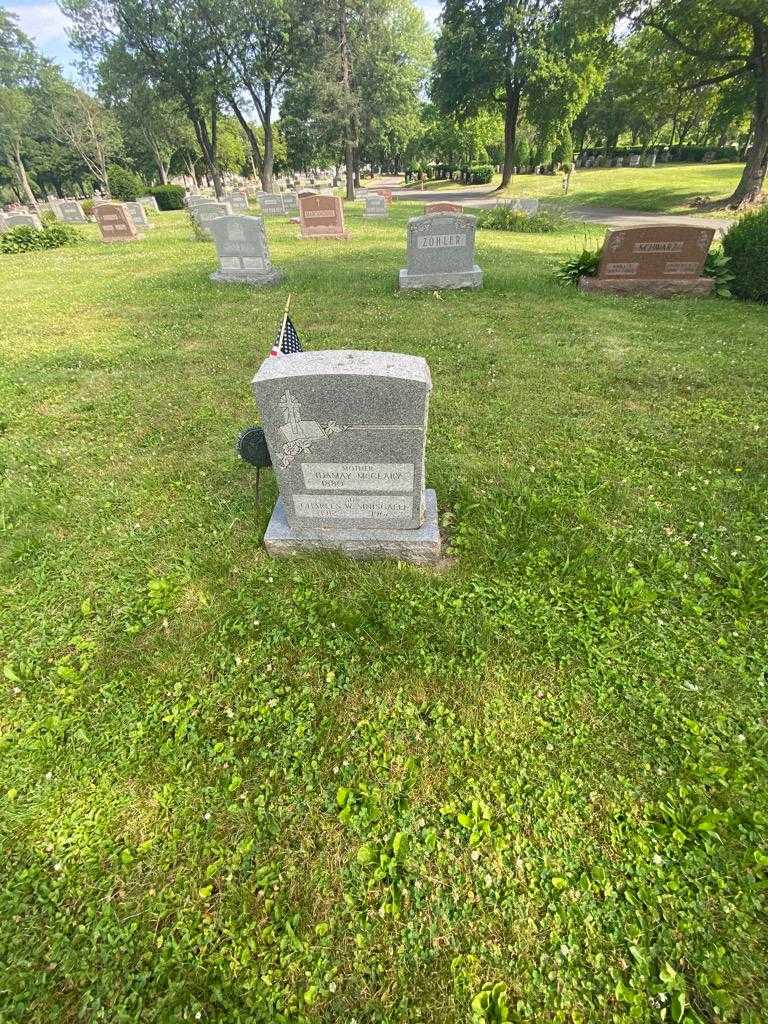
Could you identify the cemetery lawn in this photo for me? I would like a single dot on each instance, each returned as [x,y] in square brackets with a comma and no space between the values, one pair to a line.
[243,790]
[666,188]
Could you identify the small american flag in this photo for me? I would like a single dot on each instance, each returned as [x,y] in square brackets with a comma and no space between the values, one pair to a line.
[287,340]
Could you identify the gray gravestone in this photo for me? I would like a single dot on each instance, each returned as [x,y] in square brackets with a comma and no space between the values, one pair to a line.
[138,215]
[441,252]
[527,206]
[3,223]
[149,202]
[634,160]
[291,203]
[241,245]
[238,200]
[206,212]
[375,206]
[346,432]
[23,220]
[271,205]
[71,212]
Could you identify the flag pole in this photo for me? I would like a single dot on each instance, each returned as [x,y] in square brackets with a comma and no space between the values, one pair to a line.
[285,321]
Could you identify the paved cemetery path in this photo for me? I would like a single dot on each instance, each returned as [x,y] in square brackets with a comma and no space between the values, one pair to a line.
[614,217]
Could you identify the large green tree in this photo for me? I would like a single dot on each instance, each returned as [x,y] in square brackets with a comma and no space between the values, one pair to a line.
[546,54]
[174,46]
[258,46]
[722,41]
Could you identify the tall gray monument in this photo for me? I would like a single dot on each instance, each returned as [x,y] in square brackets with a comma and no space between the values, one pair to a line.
[441,252]
[241,245]
[346,432]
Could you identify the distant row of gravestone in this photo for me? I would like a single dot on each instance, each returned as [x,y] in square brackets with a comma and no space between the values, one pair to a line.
[660,260]
[655,260]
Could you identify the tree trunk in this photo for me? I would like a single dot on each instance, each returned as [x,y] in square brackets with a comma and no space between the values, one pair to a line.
[269,140]
[750,188]
[257,159]
[511,111]
[349,141]
[206,148]
[21,171]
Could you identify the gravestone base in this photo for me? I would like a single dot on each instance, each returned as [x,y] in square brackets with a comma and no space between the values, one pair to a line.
[258,278]
[660,288]
[419,547]
[459,279]
[342,236]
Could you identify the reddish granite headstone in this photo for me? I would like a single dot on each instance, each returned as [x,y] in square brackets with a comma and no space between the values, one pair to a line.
[321,217]
[660,259]
[443,207]
[386,192]
[115,223]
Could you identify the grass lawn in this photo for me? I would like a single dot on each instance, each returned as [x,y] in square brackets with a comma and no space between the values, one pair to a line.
[666,188]
[243,790]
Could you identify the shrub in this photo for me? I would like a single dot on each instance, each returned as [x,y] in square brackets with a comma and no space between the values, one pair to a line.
[505,218]
[124,184]
[717,265]
[27,239]
[478,174]
[87,205]
[169,197]
[747,246]
[583,265]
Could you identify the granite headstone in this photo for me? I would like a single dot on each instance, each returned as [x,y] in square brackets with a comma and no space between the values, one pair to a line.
[441,252]
[23,220]
[346,432]
[659,260]
[375,206]
[138,215]
[71,211]
[115,222]
[241,245]
[321,217]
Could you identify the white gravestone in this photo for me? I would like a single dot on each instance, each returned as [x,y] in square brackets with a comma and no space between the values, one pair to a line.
[241,245]
[346,432]
[149,203]
[441,252]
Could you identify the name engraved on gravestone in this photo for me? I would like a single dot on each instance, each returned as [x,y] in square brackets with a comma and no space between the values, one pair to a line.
[321,217]
[356,476]
[441,252]
[241,245]
[355,506]
[638,259]
[441,241]
[346,432]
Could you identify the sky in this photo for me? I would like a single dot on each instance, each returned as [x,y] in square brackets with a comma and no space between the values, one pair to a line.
[44,23]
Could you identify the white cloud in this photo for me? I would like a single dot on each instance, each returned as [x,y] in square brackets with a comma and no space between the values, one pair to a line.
[44,23]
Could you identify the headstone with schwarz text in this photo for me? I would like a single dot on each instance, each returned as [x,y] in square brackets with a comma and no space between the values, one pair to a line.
[657,259]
